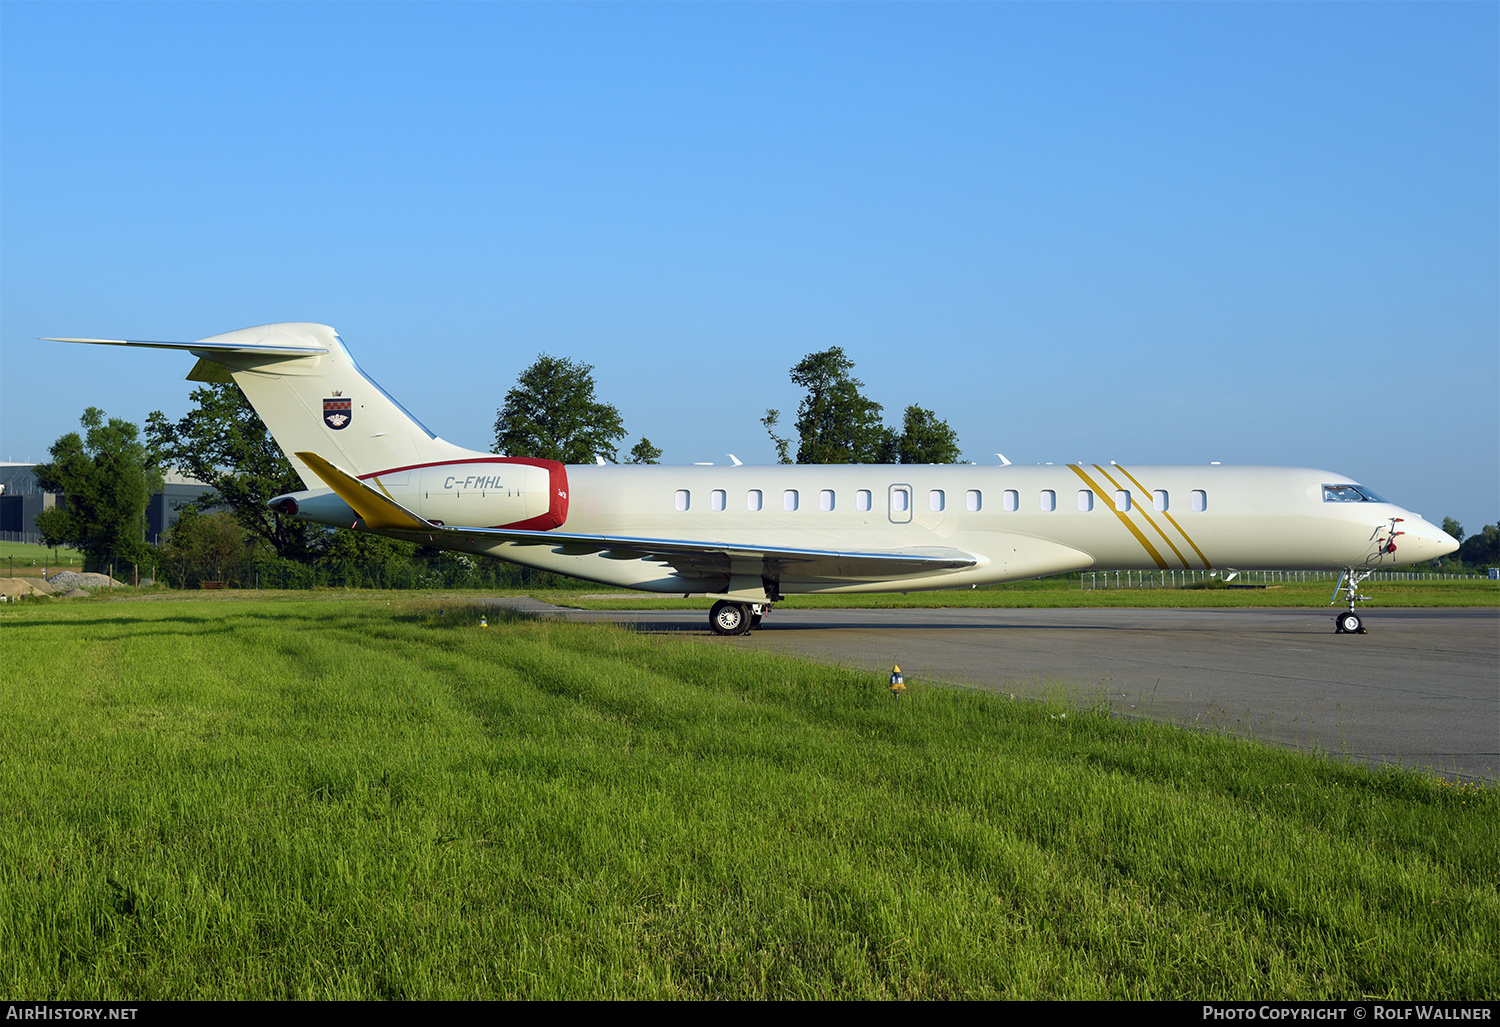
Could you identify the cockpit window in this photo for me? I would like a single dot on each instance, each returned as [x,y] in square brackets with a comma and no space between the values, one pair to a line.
[1349,494]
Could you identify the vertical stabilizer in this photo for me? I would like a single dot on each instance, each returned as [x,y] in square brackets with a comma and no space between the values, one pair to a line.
[313,397]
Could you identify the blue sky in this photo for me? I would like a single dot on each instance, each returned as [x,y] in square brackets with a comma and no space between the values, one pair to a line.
[1160,233]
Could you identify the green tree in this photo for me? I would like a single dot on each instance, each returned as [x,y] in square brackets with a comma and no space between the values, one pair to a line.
[1483,549]
[643,452]
[205,547]
[106,478]
[925,439]
[783,444]
[838,424]
[368,547]
[1453,528]
[552,414]
[223,442]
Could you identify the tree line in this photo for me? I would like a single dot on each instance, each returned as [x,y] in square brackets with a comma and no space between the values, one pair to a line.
[108,473]
[1474,551]
[838,424]
[552,413]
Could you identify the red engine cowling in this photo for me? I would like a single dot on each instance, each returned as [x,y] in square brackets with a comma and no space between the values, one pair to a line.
[557,492]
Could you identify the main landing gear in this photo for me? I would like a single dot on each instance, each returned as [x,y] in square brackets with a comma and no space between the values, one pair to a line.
[727,618]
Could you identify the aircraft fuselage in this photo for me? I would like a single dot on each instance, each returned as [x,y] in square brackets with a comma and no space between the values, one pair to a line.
[752,534]
[1019,521]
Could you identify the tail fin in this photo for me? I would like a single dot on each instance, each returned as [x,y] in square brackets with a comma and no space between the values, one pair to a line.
[313,397]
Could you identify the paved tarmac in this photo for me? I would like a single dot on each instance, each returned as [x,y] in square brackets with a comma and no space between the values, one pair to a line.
[1421,689]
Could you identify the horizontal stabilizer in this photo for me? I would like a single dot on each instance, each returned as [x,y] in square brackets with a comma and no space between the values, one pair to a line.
[211,371]
[249,349]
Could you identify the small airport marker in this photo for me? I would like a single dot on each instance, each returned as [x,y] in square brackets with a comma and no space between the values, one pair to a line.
[483,621]
[898,683]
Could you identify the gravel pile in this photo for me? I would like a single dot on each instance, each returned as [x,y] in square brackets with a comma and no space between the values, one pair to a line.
[73,579]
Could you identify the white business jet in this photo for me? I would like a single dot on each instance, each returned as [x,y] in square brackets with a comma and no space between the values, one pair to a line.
[747,536]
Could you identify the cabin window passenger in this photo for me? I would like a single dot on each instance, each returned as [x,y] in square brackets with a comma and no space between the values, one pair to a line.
[1012,501]
[1085,499]
[935,499]
[752,499]
[1159,499]
[789,499]
[1200,500]
[825,499]
[1049,500]
[900,500]
[1122,500]
[862,499]
[716,499]
[973,500]
[682,499]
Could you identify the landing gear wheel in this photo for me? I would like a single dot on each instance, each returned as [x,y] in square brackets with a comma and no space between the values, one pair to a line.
[728,618]
[1350,623]
[755,619]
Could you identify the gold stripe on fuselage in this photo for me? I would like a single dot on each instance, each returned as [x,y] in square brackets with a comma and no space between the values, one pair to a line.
[1144,516]
[1170,519]
[1145,544]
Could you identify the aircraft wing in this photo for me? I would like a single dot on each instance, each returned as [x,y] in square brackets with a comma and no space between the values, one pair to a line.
[686,556]
[707,558]
[375,509]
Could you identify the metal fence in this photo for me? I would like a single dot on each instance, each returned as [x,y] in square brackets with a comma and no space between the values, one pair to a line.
[261,571]
[1098,580]
[448,570]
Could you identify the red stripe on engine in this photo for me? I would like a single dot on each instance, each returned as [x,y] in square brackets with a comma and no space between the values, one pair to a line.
[527,460]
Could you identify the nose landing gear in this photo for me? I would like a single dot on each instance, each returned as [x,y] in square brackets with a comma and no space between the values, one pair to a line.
[1349,623]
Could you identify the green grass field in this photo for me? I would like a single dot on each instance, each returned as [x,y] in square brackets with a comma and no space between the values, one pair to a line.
[363,799]
[29,560]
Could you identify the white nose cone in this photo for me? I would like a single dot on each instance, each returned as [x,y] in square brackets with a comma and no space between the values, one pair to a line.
[1424,541]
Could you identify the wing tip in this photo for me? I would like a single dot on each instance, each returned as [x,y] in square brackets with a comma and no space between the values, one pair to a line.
[97,342]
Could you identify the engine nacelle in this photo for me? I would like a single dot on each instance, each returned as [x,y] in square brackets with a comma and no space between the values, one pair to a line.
[491,492]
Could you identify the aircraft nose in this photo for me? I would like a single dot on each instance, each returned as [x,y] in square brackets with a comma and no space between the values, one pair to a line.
[1427,541]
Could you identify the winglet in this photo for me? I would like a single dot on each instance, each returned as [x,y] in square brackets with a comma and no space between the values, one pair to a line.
[376,510]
